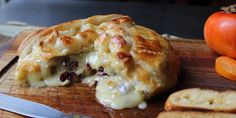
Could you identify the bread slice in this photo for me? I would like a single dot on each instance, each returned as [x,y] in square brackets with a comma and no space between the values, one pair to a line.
[202,99]
[190,114]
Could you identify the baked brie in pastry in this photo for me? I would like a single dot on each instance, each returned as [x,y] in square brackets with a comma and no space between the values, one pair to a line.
[129,63]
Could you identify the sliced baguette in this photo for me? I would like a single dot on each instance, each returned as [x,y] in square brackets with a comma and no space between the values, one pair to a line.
[202,99]
[179,114]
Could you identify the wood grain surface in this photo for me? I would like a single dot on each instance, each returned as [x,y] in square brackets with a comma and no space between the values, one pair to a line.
[197,70]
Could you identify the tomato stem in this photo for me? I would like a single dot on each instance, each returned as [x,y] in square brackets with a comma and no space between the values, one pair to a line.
[230,9]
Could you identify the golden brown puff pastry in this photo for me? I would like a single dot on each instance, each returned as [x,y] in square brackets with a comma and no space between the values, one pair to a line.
[130,63]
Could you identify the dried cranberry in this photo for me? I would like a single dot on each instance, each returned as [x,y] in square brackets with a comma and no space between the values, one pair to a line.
[88,66]
[80,76]
[63,76]
[68,76]
[93,72]
[96,83]
[100,69]
[102,74]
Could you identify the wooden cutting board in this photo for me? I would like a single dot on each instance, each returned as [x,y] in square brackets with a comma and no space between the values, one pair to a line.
[197,70]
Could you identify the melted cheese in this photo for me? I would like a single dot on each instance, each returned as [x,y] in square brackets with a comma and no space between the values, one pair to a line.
[35,80]
[55,81]
[112,91]
[92,58]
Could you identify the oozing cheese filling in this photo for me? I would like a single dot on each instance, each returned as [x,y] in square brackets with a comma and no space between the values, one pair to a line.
[116,93]
[112,90]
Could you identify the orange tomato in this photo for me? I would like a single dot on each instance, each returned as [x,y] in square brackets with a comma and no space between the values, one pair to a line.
[220,33]
[226,67]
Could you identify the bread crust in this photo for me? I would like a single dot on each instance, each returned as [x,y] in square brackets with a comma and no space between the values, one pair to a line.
[192,114]
[202,100]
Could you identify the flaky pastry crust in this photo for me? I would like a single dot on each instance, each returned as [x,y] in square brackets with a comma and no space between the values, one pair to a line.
[140,53]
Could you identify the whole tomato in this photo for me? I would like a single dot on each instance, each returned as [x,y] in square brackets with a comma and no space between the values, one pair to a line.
[220,31]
